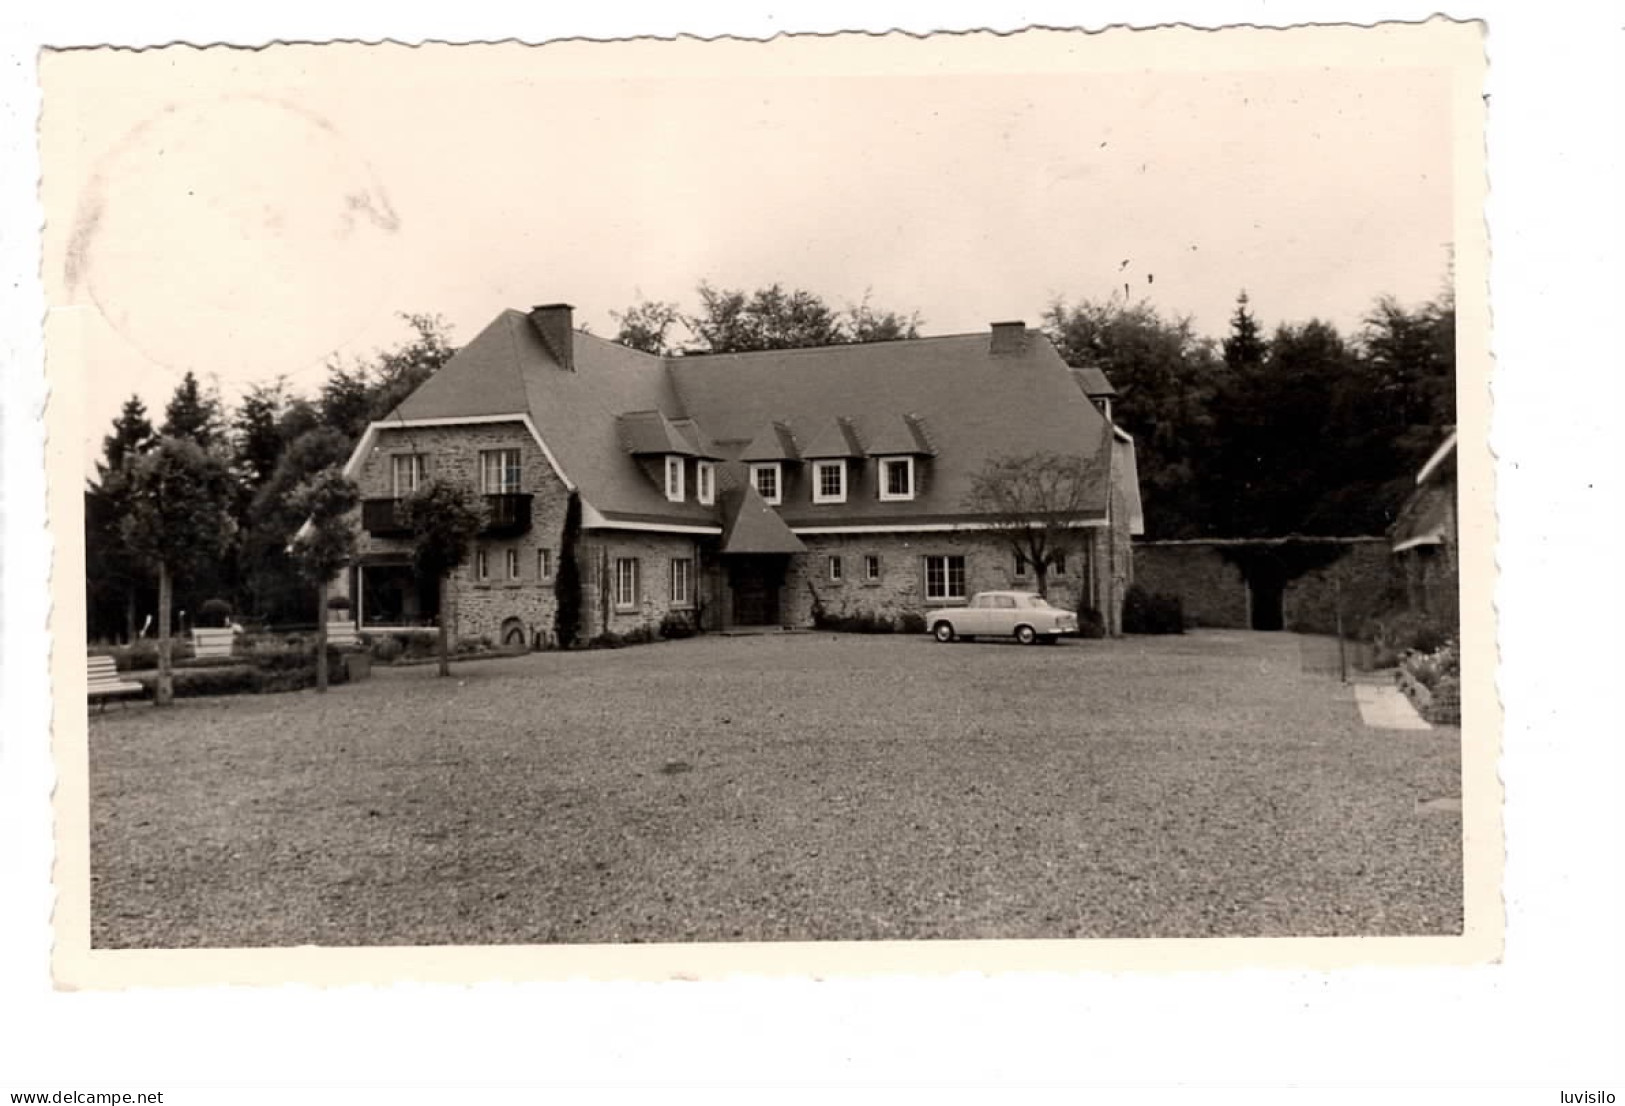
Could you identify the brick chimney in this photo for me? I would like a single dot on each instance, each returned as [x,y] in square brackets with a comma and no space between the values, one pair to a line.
[1008,338]
[555,323]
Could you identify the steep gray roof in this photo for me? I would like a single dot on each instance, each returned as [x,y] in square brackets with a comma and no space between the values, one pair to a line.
[949,400]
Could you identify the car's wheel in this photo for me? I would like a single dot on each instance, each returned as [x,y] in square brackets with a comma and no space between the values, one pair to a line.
[943,631]
[1026,635]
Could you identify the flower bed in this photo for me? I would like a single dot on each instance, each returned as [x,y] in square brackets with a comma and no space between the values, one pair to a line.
[1432,681]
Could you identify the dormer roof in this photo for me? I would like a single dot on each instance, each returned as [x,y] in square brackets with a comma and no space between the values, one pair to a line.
[647,433]
[898,436]
[836,438]
[773,442]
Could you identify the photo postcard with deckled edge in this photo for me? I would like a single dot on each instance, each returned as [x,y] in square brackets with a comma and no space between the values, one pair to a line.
[819,745]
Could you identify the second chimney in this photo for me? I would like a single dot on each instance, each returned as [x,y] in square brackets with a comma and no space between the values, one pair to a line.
[555,323]
[1008,338]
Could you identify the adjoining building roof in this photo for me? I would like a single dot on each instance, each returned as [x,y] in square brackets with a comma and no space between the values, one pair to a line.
[948,400]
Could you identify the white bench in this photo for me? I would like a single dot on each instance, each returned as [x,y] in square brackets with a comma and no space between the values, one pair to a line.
[102,680]
[342,633]
[212,642]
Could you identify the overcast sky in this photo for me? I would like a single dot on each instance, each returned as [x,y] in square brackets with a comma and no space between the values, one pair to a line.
[250,214]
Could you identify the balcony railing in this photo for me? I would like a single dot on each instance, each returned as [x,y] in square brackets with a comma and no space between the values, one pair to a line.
[507,516]
[382,518]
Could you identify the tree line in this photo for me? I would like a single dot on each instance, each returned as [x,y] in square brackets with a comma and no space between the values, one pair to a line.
[1298,430]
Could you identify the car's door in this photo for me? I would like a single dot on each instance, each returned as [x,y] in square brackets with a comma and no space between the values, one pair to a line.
[1002,618]
[973,619]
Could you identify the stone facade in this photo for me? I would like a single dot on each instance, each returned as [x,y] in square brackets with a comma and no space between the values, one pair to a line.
[511,599]
[1361,581]
[989,565]
[1210,587]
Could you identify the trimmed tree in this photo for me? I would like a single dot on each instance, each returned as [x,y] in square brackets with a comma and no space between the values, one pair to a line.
[567,581]
[175,521]
[444,519]
[1036,501]
[325,546]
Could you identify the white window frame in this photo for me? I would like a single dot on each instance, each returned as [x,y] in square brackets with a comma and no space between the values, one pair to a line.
[818,493]
[682,571]
[417,469]
[778,480]
[482,566]
[1020,570]
[674,478]
[871,568]
[544,564]
[947,594]
[495,461]
[886,464]
[837,570]
[626,584]
[705,482]
[511,562]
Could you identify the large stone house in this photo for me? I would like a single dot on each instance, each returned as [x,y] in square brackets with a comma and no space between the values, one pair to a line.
[732,489]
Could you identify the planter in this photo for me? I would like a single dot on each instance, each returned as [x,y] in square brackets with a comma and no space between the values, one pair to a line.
[357,666]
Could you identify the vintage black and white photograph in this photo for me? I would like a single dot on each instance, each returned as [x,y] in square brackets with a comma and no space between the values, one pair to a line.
[841,489]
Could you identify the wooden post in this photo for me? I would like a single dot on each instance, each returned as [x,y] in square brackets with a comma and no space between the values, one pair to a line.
[1337,602]
[165,692]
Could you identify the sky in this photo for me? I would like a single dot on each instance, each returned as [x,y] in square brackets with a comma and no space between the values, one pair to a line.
[248,215]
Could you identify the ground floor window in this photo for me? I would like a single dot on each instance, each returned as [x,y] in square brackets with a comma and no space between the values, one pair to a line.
[1020,572]
[512,558]
[871,568]
[626,582]
[682,582]
[482,565]
[835,570]
[945,577]
[1060,562]
[544,564]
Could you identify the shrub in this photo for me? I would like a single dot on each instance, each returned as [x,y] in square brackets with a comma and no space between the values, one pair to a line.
[1148,613]
[143,654]
[214,612]
[386,649]
[911,622]
[1394,634]
[677,624]
[1091,623]
[609,639]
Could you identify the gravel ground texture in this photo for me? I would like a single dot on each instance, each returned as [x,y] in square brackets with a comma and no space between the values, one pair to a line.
[789,787]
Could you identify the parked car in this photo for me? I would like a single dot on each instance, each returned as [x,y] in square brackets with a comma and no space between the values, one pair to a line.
[1018,614]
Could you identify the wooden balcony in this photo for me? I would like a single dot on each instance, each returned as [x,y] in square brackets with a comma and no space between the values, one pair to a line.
[507,516]
[382,518]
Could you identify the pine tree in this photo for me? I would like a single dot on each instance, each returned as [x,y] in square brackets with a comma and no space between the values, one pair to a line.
[132,434]
[567,581]
[191,414]
[1244,349]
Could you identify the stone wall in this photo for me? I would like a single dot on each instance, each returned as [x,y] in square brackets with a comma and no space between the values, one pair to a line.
[1211,588]
[476,607]
[1215,592]
[654,553]
[989,565]
[1361,580]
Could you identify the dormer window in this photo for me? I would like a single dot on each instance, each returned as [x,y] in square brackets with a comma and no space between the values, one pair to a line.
[674,479]
[829,482]
[769,484]
[896,478]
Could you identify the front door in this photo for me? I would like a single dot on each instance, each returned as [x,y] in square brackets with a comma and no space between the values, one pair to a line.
[755,583]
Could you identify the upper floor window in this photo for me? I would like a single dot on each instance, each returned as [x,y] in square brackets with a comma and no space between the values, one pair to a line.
[407,472]
[705,482]
[829,482]
[897,478]
[766,478]
[499,471]
[674,479]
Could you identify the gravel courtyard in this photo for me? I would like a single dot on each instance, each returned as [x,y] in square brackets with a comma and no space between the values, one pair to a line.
[794,787]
